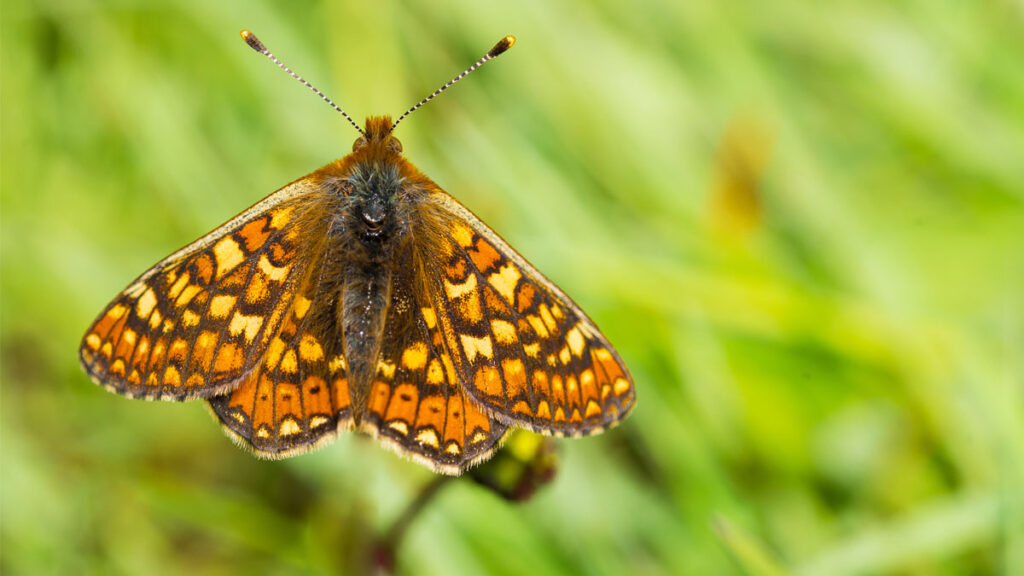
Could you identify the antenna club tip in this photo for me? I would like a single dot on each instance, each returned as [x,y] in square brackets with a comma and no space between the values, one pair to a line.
[502,45]
[253,41]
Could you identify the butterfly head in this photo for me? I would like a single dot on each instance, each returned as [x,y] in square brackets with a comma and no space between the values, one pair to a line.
[376,179]
[377,139]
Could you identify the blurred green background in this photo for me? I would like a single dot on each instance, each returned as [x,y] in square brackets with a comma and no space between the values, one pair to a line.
[801,225]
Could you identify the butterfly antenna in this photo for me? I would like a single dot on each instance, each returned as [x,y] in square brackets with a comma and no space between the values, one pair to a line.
[502,45]
[258,46]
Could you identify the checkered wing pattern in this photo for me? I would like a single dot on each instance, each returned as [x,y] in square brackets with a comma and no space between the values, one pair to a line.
[201,319]
[524,351]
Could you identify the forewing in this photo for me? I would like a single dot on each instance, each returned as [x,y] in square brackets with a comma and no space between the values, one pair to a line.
[195,323]
[416,404]
[525,350]
[298,396]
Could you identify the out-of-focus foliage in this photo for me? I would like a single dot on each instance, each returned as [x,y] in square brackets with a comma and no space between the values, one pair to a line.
[801,225]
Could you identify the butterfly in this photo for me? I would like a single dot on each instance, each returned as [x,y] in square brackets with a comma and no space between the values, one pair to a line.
[362,297]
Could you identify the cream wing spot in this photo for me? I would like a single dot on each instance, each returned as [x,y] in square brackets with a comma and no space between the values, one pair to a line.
[250,325]
[505,281]
[228,255]
[274,273]
[146,303]
[504,331]
[221,305]
[575,340]
[456,291]
[473,346]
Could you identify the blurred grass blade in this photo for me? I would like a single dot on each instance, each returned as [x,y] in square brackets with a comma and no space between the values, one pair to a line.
[753,557]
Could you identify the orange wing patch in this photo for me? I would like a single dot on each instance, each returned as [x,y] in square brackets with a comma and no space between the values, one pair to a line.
[416,404]
[525,350]
[299,394]
[192,325]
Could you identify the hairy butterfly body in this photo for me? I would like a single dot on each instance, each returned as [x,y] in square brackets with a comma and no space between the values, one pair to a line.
[362,297]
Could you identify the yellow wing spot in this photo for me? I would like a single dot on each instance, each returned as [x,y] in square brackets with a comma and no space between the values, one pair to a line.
[117,367]
[532,350]
[146,303]
[576,342]
[274,352]
[178,350]
[289,363]
[564,355]
[504,331]
[386,369]
[559,415]
[189,318]
[468,307]
[274,273]
[242,323]
[429,437]
[155,319]
[178,286]
[195,381]
[263,432]
[538,326]
[317,421]
[543,410]
[205,343]
[453,448]
[457,290]
[415,357]
[301,306]
[116,312]
[603,354]
[281,216]
[478,438]
[256,291]
[289,427]
[587,378]
[621,386]
[556,311]
[186,295]
[549,320]
[310,349]
[505,281]
[172,377]
[552,360]
[143,346]
[228,254]
[462,234]
[429,317]
[337,363]
[435,374]
[593,409]
[93,341]
[128,336]
[399,426]
[472,346]
[222,305]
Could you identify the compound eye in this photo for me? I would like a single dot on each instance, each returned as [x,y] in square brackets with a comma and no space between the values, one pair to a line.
[360,142]
[394,145]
